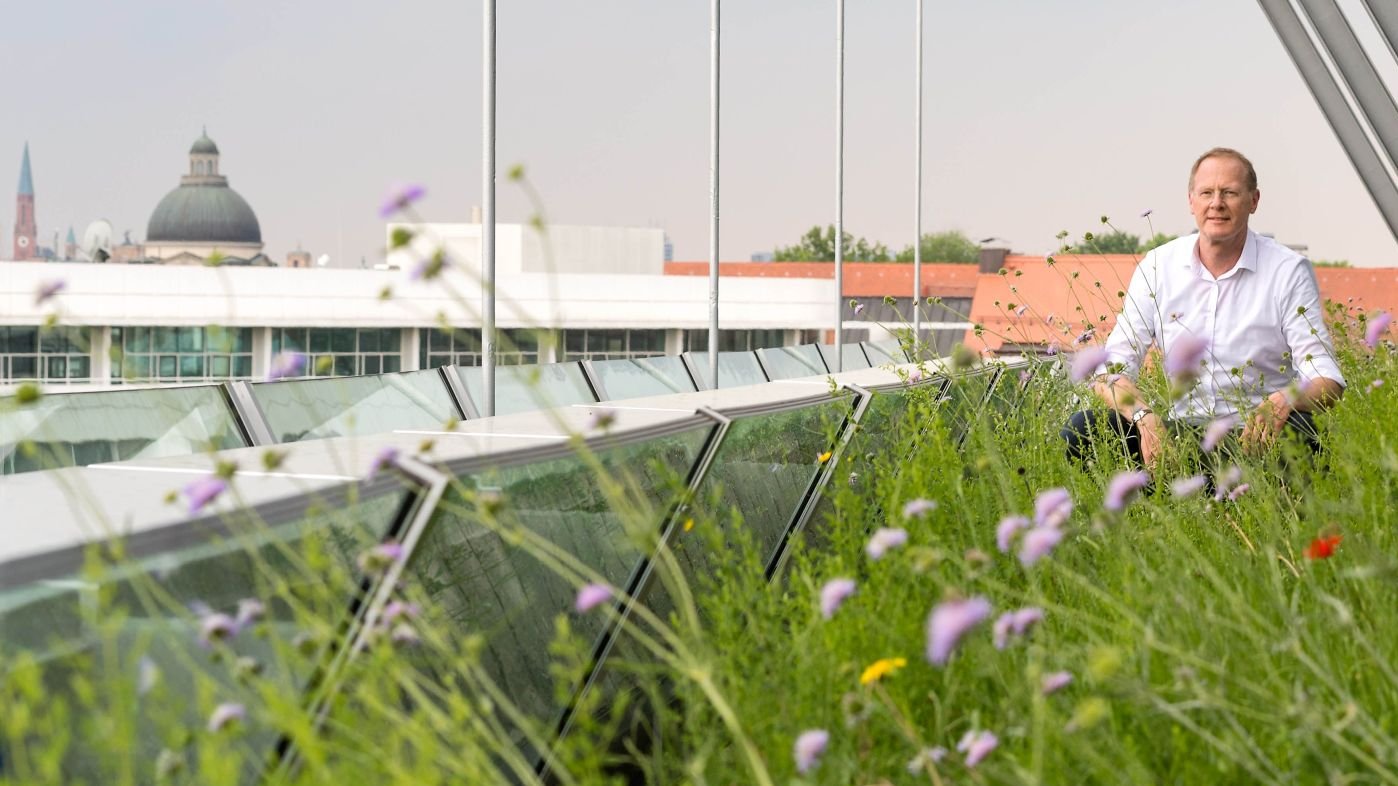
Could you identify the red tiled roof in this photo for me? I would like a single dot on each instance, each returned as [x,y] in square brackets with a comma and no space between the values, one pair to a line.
[861,279]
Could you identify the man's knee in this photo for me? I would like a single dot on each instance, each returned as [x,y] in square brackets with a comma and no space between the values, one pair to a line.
[1077,432]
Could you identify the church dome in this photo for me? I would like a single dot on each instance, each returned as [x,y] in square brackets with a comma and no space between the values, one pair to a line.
[204,145]
[203,213]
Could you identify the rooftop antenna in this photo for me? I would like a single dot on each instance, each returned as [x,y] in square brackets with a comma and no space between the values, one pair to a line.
[322,260]
[97,240]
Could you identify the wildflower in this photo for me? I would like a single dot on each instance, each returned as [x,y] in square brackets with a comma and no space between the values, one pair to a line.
[147,675]
[1051,349]
[1048,320]
[925,758]
[428,267]
[1376,329]
[397,608]
[1085,363]
[1019,312]
[833,595]
[881,668]
[1085,336]
[602,419]
[379,558]
[400,197]
[1146,213]
[1055,682]
[884,539]
[977,745]
[286,364]
[1052,507]
[918,507]
[1376,384]
[1238,491]
[1323,547]
[204,491]
[824,457]
[1184,357]
[591,596]
[1216,431]
[808,749]
[1230,478]
[915,375]
[853,479]
[1189,486]
[225,715]
[168,764]
[858,309]
[950,621]
[250,612]
[387,457]
[1123,487]
[1015,623]
[1038,543]
[1006,529]
[48,289]
[403,634]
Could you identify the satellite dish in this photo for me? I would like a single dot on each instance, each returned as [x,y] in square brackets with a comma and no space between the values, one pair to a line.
[97,240]
[322,260]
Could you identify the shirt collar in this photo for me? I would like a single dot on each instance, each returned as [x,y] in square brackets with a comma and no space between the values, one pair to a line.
[1248,260]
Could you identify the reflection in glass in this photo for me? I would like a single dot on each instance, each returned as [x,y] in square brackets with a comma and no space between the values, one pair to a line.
[529,388]
[658,376]
[852,355]
[792,362]
[115,426]
[735,369]
[886,351]
[353,406]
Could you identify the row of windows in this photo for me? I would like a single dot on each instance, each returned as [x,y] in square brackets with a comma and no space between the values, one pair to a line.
[183,354]
[57,354]
[168,340]
[735,340]
[463,347]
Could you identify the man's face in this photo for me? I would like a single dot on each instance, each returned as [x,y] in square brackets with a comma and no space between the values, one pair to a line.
[1220,200]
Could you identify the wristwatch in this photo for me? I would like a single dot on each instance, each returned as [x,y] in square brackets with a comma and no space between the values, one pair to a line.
[1139,415]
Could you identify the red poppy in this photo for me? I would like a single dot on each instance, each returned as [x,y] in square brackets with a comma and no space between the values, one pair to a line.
[1321,548]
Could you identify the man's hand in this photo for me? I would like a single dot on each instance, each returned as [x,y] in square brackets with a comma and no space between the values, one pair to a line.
[1267,421]
[1152,431]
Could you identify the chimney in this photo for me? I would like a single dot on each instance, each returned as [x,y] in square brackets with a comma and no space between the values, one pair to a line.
[475,214]
[992,259]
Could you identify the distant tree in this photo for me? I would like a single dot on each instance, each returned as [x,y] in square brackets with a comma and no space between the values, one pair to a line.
[1117,242]
[818,245]
[950,246]
[1331,263]
[1157,241]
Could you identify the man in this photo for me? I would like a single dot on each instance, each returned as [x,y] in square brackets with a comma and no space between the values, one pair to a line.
[1247,305]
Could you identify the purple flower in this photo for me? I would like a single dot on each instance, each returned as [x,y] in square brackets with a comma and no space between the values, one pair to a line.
[1085,336]
[1185,487]
[1052,348]
[1230,478]
[1055,682]
[1052,507]
[48,289]
[950,621]
[1146,213]
[1123,487]
[1085,363]
[858,309]
[833,594]
[885,538]
[591,596]
[404,634]
[1015,623]
[379,558]
[203,491]
[250,612]
[397,608]
[918,507]
[1376,384]
[1184,357]
[400,197]
[286,364]
[915,375]
[226,714]
[977,745]
[1238,491]
[387,457]
[1038,543]
[808,749]
[1216,431]
[925,758]
[1376,329]
[1019,312]
[1006,529]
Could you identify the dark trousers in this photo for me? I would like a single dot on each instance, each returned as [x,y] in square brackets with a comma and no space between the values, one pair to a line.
[1081,429]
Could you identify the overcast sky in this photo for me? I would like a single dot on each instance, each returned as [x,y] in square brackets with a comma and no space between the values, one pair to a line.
[1040,116]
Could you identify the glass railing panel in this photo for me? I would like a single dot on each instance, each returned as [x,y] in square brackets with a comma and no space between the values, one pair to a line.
[735,369]
[852,355]
[529,388]
[486,576]
[298,409]
[77,429]
[886,351]
[792,362]
[163,602]
[638,377]
[964,396]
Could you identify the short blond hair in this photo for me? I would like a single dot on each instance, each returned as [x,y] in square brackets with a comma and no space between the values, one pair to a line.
[1224,152]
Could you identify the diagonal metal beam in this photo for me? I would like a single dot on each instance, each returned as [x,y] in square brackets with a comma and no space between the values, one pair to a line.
[1357,71]
[1385,16]
[1336,109]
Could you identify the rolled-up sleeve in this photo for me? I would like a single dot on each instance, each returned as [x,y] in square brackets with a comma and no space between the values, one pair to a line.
[1303,324]
[1135,325]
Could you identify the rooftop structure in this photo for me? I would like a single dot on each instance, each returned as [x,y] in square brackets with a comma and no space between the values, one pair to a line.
[204,216]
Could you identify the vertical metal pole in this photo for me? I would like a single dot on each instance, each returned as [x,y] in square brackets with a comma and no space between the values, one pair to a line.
[839,352]
[713,192]
[488,208]
[917,197]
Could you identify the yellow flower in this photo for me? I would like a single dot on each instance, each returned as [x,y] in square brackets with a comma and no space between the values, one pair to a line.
[824,457]
[880,668]
[688,524]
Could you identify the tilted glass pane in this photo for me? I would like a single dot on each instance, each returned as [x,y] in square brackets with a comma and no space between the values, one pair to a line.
[735,369]
[138,423]
[353,406]
[792,362]
[67,626]
[528,388]
[656,376]
[964,396]
[486,578]
[853,356]
[886,351]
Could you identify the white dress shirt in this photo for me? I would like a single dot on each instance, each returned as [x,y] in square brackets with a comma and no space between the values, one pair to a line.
[1262,321]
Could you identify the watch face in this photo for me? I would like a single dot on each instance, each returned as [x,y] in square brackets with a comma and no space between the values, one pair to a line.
[23,241]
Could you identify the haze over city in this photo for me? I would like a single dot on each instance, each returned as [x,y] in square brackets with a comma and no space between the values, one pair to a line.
[1038,117]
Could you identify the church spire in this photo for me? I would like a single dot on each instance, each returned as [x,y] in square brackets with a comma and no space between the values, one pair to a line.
[26,179]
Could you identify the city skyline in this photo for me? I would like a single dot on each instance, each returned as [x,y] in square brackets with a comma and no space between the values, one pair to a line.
[1031,117]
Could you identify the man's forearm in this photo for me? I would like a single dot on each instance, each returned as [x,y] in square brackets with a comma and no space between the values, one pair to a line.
[1319,394]
[1119,393]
